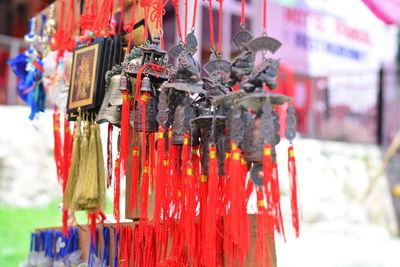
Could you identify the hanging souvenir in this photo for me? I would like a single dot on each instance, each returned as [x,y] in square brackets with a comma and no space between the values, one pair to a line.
[86,77]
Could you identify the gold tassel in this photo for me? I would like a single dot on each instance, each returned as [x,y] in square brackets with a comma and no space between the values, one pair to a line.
[74,169]
[91,178]
[80,189]
[101,171]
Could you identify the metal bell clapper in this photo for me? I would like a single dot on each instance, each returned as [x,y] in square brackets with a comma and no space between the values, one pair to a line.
[148,95]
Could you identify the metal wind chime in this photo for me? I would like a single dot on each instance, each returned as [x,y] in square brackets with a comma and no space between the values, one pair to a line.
[198,152]
[201,147]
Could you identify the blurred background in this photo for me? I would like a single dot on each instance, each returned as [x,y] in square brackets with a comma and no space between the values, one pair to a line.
[339,60]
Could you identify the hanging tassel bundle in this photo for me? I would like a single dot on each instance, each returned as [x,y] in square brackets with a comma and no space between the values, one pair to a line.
[144,193]
[67,150]
[101,170]
[109,155]
[58,146]
[210,240]
[74,169]
[117,192]
[124,141]
[134,179]
[160,177]
[262,257]
[125,243]
[86,195]
[236,235]
[276,201]
[293,190]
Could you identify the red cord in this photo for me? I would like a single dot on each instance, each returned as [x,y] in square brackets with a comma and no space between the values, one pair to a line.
[220,26]
[157,16]
[243,18]
[61,15]
[194,14]
[265,15]
[178,20]
[186,17]
[210,14]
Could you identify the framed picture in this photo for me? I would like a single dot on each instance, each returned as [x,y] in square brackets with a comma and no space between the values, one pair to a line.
[86,76]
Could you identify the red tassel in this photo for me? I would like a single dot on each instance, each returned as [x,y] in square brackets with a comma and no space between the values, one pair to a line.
[92,217]
[133,200]
[125,242]
[58,149]
[267,176]
[276,198]
[190,205]
[124,141]
[293,187]
[263,220]
[152,158]
[144,192]
[159,177]
[210,255]
[236,235]
[109,155]
[67,152]
[117,192]
[65,222]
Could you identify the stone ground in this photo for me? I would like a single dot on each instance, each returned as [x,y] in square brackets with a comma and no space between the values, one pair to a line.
[337,230]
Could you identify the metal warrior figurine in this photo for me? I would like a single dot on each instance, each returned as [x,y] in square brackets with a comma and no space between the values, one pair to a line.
[176,101]
[211,118]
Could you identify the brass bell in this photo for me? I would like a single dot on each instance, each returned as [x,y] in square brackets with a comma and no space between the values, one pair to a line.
[147,95]
[145,85]
[110,110]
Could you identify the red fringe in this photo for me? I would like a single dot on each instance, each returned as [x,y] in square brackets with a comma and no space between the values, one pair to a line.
[152,158]
[92,218]
[125,243]
[117,192]
[58,147]
[65,222]
[109,155]
[67,152]
[236,235]
[268,180]
[124,141]
[293,187]
[276,198]
[263,220]
[144,192]
[209,252]
[159,177]
[133,200]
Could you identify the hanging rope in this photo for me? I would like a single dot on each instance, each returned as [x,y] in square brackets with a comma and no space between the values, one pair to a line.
[157,17]
[265,16]
[242,16]
[128,27]
[194,14]
[220,26]
[186,17]
[210,15]
[178,20]
[146,4]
